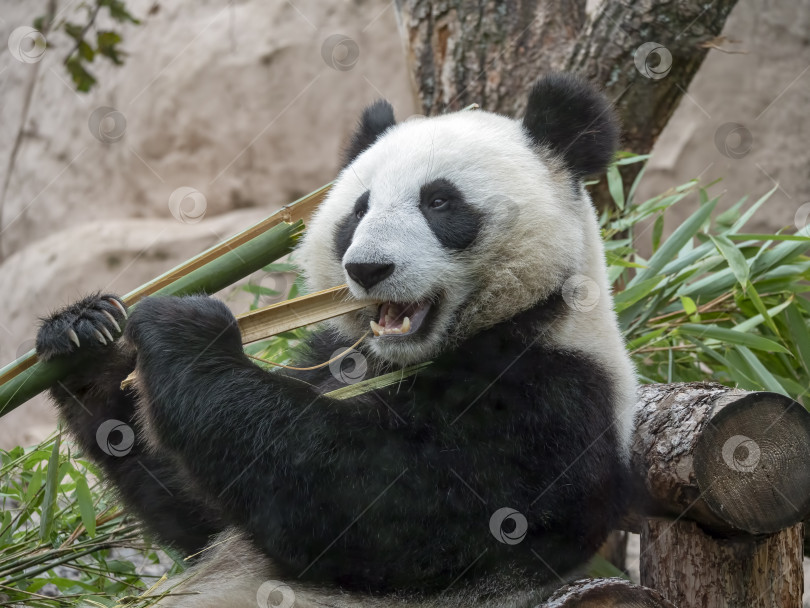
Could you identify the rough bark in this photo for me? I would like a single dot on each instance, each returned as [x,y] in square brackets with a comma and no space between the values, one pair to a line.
[733,461]
[691,568]
[479,51]
[606,593]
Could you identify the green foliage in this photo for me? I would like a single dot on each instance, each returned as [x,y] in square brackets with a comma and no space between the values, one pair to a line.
[58,530]
[88,41]
[711,302]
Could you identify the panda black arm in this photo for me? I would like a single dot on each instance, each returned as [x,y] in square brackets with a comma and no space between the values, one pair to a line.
[290,466]
[101,417]
[394,489]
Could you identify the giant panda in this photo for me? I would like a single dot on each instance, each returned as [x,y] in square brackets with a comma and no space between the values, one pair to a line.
[488,478]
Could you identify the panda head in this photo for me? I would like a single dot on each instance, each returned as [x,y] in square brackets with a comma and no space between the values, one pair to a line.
[460,221]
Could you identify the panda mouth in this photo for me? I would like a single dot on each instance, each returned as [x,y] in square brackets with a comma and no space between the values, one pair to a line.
[396,319]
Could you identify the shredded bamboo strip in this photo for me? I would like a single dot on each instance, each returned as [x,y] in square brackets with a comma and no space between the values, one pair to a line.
[291,314]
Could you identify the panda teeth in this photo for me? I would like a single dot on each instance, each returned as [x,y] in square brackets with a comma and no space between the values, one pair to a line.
[378,330]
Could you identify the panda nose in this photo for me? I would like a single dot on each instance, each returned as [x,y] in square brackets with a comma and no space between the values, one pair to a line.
[368,275]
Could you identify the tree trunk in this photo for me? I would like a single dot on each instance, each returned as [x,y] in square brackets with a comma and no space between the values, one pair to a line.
[733,461]
[691,568]
[642,53]
[605,593]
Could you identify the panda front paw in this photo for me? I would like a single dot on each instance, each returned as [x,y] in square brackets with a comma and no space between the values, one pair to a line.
[175,327]
[88,326]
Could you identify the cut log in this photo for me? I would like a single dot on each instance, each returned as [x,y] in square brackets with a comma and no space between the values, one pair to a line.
[732,461]
[606,593]
[693,569]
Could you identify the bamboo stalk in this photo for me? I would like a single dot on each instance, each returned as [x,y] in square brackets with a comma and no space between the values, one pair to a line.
[246,252]
[299,312]
[291,314]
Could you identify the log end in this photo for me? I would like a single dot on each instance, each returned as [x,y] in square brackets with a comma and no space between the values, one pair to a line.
[752,463]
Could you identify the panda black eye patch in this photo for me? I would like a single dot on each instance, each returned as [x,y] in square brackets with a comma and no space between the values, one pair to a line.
[346,227]
[455,222]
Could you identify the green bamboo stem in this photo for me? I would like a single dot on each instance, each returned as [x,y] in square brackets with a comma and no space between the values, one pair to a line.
[210,277]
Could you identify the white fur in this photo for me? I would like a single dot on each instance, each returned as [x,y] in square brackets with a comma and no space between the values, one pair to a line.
[538,231]
[233,573]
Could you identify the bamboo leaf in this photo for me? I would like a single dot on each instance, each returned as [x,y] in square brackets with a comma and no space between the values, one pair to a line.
[86,508]
[800,333]
[378,382]
[734,257]
[722,334]
[753,295]
[49,501]
[658,231]
[760,371]
[615,185]
[751,211]
[670,248]
[631,295]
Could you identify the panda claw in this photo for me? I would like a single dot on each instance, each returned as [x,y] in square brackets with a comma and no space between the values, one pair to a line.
[112,320]
[99,337]
[118,305]
[73,337]
[107,334]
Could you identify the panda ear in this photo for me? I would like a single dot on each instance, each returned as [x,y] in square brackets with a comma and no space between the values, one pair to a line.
[376,118]
[575,121]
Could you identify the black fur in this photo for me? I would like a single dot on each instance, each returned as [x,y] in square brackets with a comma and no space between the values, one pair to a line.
[376,118]
[344,231]
[391,490]
[576,122]
[149,482]
[454,222]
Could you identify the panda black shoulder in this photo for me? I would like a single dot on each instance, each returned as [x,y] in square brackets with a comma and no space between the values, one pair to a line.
[571,118]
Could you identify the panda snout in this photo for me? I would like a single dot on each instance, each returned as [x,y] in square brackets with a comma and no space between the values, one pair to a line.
[368,274]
